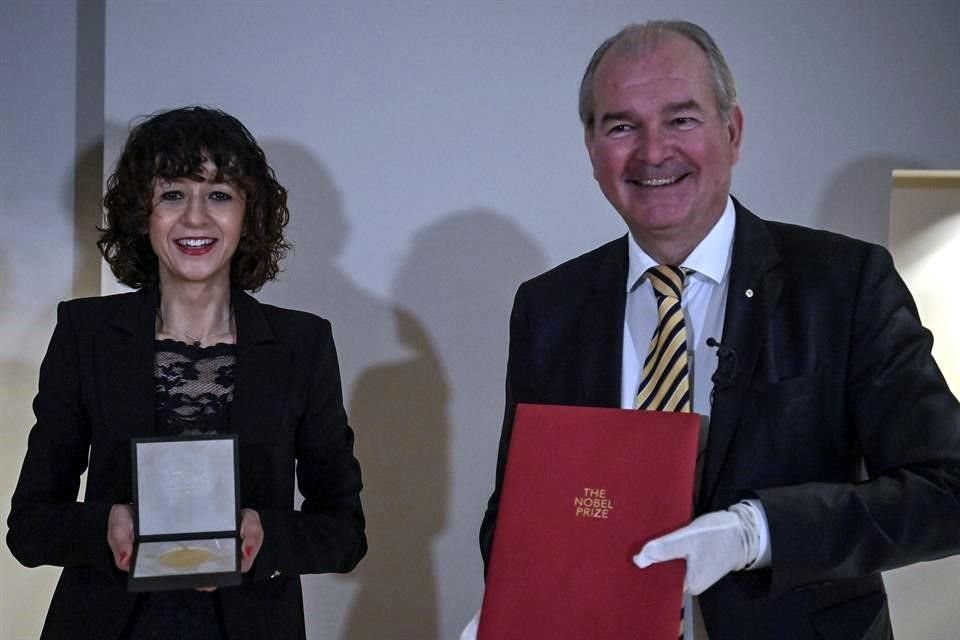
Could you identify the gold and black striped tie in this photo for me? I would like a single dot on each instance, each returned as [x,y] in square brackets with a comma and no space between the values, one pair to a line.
[665,378]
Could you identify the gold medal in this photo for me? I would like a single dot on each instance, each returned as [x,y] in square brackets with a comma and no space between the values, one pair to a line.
[185,557]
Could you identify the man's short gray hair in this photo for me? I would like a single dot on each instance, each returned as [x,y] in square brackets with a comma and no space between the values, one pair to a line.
[635,38]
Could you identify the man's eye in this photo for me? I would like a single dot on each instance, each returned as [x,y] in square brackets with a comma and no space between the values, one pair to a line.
[171,196]
[220,196]
[684,122]
[619,129]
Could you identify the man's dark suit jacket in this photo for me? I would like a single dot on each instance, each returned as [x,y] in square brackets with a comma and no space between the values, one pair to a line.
[96,392]
[836,418]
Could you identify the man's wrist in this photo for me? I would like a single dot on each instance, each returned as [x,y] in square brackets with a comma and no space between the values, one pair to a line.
[756,533]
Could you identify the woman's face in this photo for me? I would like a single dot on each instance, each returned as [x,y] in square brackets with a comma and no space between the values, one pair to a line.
[195,228]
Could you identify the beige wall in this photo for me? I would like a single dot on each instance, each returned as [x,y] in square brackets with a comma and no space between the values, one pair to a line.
[925,242]
[36,249]
[50,161]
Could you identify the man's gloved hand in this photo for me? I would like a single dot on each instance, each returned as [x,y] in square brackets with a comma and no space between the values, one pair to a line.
[713,545]
[470,631]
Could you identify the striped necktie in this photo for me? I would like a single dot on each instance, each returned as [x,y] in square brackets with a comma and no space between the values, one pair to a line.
[665,378]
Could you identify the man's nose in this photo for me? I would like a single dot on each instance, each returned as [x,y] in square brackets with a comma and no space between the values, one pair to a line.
[651,147]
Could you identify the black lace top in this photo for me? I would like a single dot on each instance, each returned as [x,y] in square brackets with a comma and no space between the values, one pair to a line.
[194,387]
[194,391]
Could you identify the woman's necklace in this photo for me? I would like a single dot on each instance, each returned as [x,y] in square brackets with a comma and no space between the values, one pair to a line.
[196,339]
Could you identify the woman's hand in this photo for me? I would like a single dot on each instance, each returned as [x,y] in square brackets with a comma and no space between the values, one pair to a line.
[251,538]
[120,535]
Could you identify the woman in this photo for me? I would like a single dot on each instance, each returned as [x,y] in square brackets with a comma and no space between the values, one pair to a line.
[194,216]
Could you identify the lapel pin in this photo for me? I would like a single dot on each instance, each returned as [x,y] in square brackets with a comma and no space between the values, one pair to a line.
[748,293]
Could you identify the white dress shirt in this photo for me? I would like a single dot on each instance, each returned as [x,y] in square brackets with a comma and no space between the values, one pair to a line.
[703,302]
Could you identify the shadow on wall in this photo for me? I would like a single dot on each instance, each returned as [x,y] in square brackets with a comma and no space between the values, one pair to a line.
[363,328]
[82,196]
[416,371]
[89,125]
[402,406]
[856,201]
[311,279]
[81,193]
[452,295]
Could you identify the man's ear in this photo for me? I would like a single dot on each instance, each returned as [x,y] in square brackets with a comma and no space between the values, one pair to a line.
[588,141]
[735,130]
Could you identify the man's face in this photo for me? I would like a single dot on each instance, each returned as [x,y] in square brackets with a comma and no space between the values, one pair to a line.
[660,149]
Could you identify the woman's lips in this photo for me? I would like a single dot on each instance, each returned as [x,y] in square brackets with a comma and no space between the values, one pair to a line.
[195,246]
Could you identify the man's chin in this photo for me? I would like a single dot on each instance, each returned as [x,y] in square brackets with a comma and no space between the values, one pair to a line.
[659,219]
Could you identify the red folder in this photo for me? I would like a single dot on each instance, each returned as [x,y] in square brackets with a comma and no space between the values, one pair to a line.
[584,489]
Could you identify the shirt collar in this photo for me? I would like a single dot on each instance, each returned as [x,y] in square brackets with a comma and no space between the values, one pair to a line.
[710,259]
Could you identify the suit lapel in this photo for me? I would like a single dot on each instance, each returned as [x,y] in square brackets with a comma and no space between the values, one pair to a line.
[602,330]
[123,365]
[263,366]
[755,286]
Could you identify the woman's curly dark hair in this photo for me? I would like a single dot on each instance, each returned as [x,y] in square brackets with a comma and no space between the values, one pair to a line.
[175,144]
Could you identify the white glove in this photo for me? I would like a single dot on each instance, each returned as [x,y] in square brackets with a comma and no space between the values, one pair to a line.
[470,631]
[713,545]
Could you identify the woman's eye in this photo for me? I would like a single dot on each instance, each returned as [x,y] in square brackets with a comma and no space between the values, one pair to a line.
[220,196]
[171,196]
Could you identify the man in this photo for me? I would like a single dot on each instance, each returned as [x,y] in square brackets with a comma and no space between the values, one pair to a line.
[832,451]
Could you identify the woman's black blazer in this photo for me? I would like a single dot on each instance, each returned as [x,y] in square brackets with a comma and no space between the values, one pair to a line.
[96,392]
